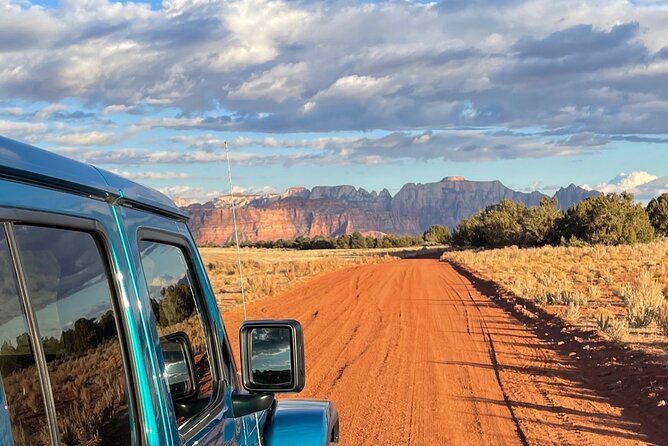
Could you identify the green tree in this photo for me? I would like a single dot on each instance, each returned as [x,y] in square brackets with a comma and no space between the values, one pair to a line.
[657,211]
[357,241]
[343,241]
[502,223]
[469,232]
[437,234]
[540,224]
[610,219]
[386,242]
[511,223]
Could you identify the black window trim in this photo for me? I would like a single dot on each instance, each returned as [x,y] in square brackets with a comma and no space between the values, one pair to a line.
[10,216]
[35,338]
[219,374]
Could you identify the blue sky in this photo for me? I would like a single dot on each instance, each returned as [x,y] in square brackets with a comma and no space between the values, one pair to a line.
[537,94]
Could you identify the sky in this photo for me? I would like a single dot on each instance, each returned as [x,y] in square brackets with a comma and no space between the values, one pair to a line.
[538,94]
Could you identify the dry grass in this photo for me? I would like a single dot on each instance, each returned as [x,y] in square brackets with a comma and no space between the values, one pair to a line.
[643,300]
[612,288]
[270,271]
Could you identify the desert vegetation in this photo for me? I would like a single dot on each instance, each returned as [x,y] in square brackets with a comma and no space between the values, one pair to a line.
[434,235]
[608,219]
[269,271]
[619,290]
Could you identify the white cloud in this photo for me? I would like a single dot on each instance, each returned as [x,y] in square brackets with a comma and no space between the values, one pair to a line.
[188,194]
[21,129]
[285,81]
[93,138]
[116,108]
[357,87]
[274,65]
[452,145]
[643,185]
[148,175]
[185,195]
[11,111]
[47,111]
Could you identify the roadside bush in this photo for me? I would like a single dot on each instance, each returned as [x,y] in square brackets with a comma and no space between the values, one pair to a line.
[643,300]
[615,329]
[571,312]
[510,223]
[662,319]
[356,240]
[657,212]
[437,234]
[611,219]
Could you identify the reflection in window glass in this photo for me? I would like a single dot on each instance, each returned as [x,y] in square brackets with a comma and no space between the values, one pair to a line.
[175,310]
[20,389]
[71,296]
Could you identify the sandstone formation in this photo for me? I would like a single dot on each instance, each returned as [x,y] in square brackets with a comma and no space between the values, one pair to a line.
[335,210]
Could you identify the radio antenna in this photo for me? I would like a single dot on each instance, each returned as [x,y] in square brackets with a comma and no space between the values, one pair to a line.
[241,273]
[236,231]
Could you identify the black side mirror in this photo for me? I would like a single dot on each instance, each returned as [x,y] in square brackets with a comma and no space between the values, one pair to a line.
[272,356]
[179,365]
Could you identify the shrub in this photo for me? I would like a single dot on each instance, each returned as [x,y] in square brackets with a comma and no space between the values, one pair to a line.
[657,212]
[437,234]
[571,312]
[611,219]
[593,292]
[614,328]
[573,298]
[662,318]
[510,223]
[643,299]
[357,241]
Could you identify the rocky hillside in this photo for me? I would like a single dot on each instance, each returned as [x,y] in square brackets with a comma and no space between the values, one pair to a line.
[335,210]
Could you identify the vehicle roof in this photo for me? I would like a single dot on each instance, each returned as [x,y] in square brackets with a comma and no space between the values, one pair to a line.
[26,163]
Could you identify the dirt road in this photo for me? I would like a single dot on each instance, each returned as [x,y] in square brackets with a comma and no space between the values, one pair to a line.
[412,354]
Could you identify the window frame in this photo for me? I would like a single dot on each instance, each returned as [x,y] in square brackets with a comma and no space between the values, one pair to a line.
[9,217]
[219,370]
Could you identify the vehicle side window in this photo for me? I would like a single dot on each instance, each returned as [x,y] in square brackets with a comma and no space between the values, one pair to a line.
[176,309]
[20,389]
[71,295]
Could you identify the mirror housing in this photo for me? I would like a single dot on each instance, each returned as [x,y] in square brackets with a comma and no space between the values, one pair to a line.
[272,356]
[179,365]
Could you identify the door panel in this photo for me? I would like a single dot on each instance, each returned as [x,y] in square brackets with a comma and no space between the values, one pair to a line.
[69,289]
[50,207]
[216,426]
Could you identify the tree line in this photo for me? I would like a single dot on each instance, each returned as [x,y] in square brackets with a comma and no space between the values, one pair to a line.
[435,235]
[609,219]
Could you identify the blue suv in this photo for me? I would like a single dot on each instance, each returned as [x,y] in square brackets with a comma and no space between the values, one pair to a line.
[109,329]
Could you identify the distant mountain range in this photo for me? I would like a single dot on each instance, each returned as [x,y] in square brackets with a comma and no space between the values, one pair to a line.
[335,210]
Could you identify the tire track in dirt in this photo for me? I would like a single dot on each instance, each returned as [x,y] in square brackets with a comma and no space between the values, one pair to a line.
[411,353]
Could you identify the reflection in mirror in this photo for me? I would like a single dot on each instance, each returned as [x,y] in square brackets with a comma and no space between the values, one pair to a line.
[176,367]
[271,360]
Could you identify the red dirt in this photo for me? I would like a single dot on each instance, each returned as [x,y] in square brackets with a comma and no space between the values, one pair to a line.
[412,353]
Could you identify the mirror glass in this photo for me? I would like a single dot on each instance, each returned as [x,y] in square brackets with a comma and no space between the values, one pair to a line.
[176,367]
[271,355]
